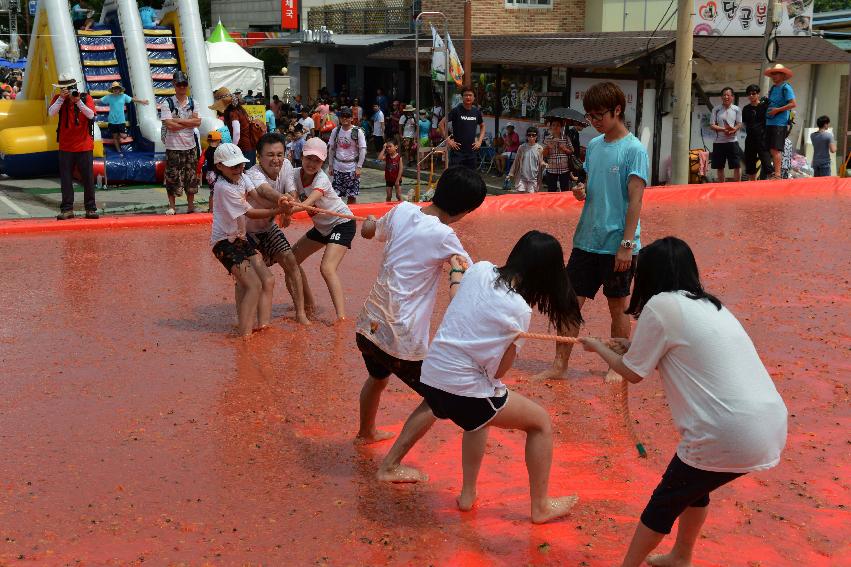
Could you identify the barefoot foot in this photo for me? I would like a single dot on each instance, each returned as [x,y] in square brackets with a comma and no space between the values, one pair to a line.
[555,508]
[374,436]
[402,473]
[302,319]
[466,501]
[667,560]
[550,374]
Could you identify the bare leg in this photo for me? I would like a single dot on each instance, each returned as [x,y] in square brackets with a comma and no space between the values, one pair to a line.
[472,452]
[116,139]
[171,201]
[520,412]
[777,158]
[563,351]
[389,194]
[331,259]
[370,398]
[690,524]
[190,202]
[351,200]
[292,274]
[719,175]
[399,192]
[391,468]
[302,250]
[620,320]
[644,540]
[737,174]
[267,291]
[246,309]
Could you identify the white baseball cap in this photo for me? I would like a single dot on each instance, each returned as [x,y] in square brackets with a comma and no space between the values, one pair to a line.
[229,155]
[315,147]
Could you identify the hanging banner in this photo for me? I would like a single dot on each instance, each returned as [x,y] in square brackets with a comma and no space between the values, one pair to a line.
[438,58]
[455,69]
[289,14]
[749,17]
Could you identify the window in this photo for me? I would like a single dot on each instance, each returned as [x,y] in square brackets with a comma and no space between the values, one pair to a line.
[528,3]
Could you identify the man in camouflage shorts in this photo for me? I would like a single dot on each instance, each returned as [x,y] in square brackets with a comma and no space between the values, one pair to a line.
[180,119]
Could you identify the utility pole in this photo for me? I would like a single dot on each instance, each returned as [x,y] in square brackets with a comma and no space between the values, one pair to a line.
[762,80]
[14,51]
[468,43]
[682,94]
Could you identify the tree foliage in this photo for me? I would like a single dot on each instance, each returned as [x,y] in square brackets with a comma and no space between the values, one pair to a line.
[831,5]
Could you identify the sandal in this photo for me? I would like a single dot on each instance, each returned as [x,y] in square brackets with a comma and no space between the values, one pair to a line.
[170,212]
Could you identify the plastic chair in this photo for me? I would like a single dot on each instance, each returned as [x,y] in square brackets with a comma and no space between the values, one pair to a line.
[486,155]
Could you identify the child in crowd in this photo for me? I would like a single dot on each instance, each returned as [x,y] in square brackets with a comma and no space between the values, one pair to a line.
[393,169]
[298,145]
[334,234]
[824,144]
[477,344]
[528,166]
[208,167]
[228,237]
[393,326]
[606,239]
[731,419]
[116,100]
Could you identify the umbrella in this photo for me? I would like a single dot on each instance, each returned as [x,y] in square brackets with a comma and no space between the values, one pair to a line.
[569,115]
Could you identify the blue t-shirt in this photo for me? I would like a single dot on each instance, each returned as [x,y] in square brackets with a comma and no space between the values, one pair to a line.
[116,104]
[609,167]
[148,16]
[425,127]
[298,146]
[270,120]
[779,96]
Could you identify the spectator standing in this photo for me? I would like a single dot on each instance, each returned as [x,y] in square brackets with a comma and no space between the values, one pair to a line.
[116,100]
[271,122]
[391,127]
[382,101]
[181,146]
[299,136]
[753,119]
[726,122]
[75,132]
[557,149]
[377,126]
[357,112]
[237,121]
[347,146]
[824,144]
[425,129]
[297,105]
[781,100]
[208,163]
[306,123]
[277,107]
[509,150]
[249,97]
[528,164]
[464,118]
[323,109]
[409,128]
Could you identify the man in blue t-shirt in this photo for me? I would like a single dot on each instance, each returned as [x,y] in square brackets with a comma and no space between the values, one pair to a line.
[781,99]
[607,237]
[116,100]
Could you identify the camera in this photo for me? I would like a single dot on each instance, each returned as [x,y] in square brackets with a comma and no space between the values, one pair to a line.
[75,93]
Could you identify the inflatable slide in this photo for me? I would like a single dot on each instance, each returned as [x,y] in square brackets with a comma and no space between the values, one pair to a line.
[117,48]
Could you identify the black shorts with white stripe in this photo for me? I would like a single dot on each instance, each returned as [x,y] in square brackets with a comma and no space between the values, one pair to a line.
[270,243]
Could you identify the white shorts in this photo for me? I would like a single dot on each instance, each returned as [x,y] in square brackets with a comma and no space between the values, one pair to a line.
[526,185]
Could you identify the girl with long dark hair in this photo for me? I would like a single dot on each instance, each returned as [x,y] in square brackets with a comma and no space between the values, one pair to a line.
[723,402]
[476,345]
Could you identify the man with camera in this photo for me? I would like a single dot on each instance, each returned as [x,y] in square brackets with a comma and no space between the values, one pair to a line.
[75,134]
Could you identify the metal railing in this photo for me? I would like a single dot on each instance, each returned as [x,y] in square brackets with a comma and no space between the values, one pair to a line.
[366,17]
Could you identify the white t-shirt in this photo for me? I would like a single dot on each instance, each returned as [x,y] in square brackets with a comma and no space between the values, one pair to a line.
[722,399]
[409,126]
[282,184]
[229,204]
[183,139]
[378,124]
[436,115]
[481,322]
[307,124]
[346,152]
[724,116]
[329,201]
[397,314]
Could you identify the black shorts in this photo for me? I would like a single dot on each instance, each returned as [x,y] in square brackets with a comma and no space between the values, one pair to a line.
[775,137]
[381,365]
[755,150]
[588,271]
[725,152]
[556,182]
[116,129]
[234,253]
[270,243]
[470,161]
[470,414]
[342,234]
[682,486]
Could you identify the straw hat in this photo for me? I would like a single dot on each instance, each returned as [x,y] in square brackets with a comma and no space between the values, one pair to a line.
[115,85]
[66,81]
[778,68]
[408,108]
[222,97]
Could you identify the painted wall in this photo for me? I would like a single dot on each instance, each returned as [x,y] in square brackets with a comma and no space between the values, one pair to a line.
[608,15]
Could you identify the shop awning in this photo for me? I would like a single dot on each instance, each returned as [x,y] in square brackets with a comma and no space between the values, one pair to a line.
[811,49]
[337,40]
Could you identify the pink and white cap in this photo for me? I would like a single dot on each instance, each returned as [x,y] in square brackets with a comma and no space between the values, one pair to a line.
[315,147]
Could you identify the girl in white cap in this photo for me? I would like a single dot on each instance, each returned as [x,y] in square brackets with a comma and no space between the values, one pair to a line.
[332,233]
[254,281]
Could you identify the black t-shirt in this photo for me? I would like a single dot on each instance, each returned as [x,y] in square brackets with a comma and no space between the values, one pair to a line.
[465,126]
[753,118]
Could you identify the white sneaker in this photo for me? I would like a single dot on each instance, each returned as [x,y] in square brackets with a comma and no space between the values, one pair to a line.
[170,212]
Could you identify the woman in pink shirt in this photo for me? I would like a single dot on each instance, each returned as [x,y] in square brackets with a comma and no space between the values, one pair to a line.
[512,143]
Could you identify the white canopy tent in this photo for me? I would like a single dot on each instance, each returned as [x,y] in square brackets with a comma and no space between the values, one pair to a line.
[233,67]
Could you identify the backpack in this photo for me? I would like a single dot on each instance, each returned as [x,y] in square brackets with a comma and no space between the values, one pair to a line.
[76,117]
[334,134]
[255,130]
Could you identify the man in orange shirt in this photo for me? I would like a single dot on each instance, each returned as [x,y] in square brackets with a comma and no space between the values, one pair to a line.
[75,134]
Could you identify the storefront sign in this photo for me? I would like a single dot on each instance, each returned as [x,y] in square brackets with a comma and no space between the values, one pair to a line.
[257,111]
[578,86]
[749,17]
[289,14]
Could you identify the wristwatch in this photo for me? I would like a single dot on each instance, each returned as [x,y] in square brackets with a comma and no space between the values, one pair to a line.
[628,244]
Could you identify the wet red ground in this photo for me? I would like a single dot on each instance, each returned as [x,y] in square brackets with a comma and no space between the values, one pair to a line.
[134,429]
